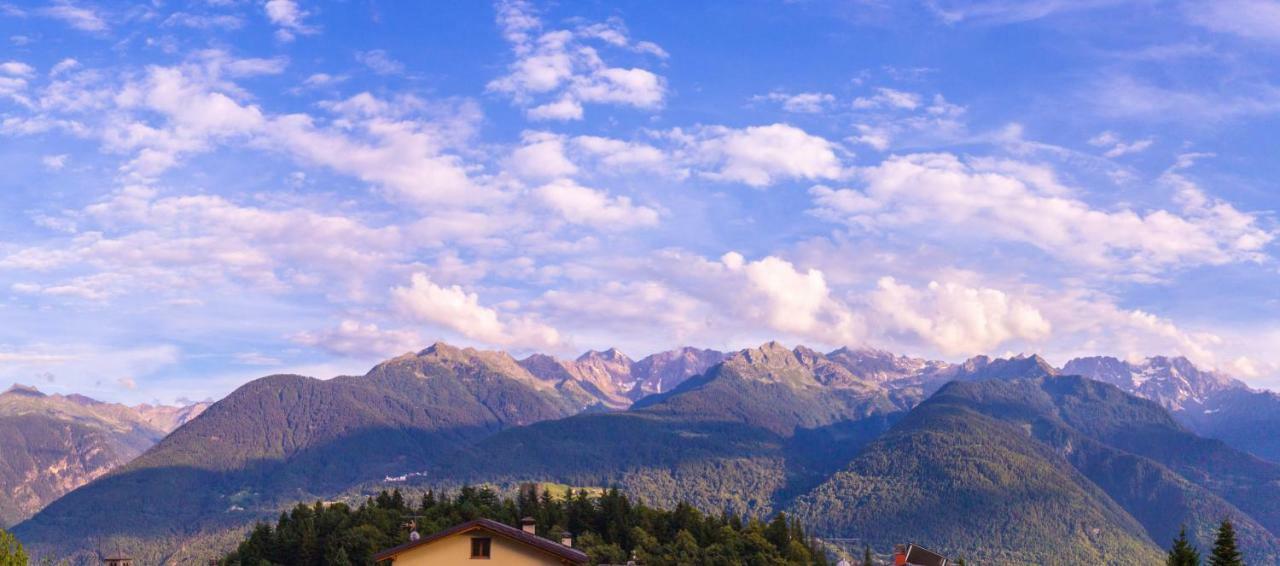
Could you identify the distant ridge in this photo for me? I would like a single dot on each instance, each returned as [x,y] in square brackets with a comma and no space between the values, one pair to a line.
[52,444]
[755,431]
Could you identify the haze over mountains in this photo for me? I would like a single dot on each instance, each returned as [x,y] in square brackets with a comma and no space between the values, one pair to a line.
[52,444]
[858,443]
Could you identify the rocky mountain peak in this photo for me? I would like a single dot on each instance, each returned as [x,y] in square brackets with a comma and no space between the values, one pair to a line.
[20,389]
[1017,367]
[1173,381]
[612,355]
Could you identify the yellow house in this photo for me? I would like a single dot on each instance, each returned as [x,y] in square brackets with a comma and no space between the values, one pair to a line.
[483,541]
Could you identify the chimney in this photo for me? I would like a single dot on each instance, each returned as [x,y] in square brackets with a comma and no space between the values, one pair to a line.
[900,555]
[566,539]
[529,525]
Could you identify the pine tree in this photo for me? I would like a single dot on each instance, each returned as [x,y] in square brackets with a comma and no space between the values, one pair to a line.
[866,555]
[1225,552]
[1183,553]
[11,552]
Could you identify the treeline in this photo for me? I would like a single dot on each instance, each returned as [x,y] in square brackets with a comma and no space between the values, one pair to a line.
[1225,551]
[609,527]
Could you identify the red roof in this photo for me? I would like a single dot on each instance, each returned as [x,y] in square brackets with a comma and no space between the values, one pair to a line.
[551,547]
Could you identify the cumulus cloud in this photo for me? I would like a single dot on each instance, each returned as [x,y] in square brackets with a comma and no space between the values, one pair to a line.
[16,69]
[289,18]
[765,297]
[954,318]
[360,339]
[455,309]
[954,200]
[583,205]
[541,155]
[621,155]
[759,155]
[556,71]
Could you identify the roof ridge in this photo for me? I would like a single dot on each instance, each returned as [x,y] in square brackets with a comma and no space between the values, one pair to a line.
[508,531]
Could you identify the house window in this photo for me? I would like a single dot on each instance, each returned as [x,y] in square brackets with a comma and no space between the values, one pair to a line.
[480,547]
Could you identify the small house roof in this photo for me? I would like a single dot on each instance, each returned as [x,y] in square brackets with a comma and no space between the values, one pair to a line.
[551,547]
[920,556]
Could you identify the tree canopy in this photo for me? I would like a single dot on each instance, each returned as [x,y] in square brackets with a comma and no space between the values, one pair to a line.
[11,552]
[609,527]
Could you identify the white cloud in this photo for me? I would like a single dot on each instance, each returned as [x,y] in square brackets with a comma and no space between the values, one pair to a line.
[566,108]
[760,155]
[1009,11]
[407,158]
[54,162]
[400,145]
[753,300]
[63,66]
[17,69]
[617,308]
[142,243]
[619,155]
[204,21]
[802,103]
[317,80]
[1252,19]
[556,71]
[583,205]
[894,117]
[379,62]
[952,200]
[1116,147]
[889,98]
[954,318]
[355,339]
[454,309]
[289,19]
[541,155]
[1125,96]
[84,19]
[787,299]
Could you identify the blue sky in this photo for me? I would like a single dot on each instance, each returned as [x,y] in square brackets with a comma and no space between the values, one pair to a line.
[200,193]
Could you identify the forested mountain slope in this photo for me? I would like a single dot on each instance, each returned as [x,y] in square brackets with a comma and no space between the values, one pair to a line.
[52,444]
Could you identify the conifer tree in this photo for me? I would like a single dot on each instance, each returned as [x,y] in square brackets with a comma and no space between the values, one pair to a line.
[1183,553]
[866,555]
[11,552]
[1225,552]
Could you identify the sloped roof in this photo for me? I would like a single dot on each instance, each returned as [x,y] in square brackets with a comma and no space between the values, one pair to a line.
[551,547]
[919,556]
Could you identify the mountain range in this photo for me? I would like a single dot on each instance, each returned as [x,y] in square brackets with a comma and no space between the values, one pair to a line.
[1000,460]
[52,444]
